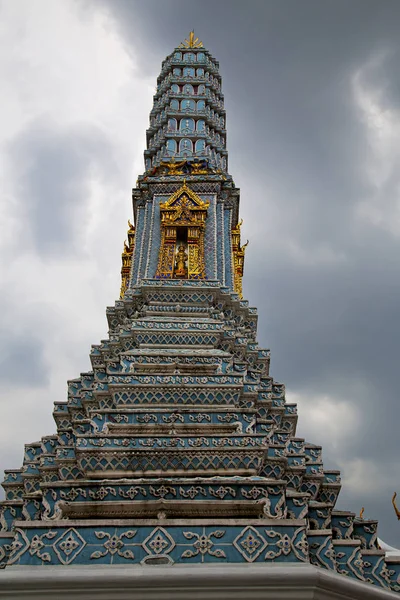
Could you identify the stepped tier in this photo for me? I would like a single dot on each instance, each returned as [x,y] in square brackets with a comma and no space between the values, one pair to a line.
[180,446]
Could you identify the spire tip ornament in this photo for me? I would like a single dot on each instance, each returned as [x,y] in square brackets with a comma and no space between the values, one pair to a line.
[192,42]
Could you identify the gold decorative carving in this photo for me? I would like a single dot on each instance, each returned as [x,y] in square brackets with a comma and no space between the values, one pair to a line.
[198,168]
[189,167]
[238,258]
[126,258]
[174,168]
[166,257]
[192,42]
[183,214]
[197,201]
[196,267]
[396,510]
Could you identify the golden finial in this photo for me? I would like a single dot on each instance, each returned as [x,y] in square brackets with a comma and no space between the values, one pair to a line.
[396,510]
[127,259]
[237,227]
[362,513]
[192,42]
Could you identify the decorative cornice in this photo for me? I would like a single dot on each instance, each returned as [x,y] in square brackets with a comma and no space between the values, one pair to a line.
[250,581]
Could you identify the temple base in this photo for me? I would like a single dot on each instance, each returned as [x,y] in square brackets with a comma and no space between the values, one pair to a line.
[236,582]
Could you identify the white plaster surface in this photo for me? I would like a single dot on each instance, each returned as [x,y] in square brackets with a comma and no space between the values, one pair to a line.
[185,582]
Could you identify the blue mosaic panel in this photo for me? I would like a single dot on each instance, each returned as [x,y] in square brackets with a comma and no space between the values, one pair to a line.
[163,416]
[138,245]
[321,550]
[176,544]
[393,566]
[375,569]
[271,497]
[8,513]
[210,239]
[348,558]
[228,248]
[366,532]
[146,245]
[6,540]
[220,243]
[155,225]
[342,525]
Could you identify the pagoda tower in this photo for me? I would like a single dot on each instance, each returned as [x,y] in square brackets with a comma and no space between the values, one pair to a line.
[178,446]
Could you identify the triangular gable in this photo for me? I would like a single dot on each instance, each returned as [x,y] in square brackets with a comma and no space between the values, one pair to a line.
[196,200]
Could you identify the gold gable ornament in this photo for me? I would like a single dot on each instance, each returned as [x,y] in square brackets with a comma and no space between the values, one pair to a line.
[396,510]
[126,258]
[183,221]
[238,252]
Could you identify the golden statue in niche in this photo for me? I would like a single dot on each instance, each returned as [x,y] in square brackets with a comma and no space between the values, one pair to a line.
[181,262]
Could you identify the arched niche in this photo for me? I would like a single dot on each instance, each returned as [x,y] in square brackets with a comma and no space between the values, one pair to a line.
[183,219]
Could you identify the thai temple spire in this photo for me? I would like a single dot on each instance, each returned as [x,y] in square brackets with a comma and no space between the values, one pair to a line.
[178,446]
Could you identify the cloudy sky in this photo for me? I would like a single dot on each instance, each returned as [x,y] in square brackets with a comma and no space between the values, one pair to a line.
[312,93]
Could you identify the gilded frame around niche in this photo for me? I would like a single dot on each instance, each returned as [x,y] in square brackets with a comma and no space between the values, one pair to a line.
[184,212]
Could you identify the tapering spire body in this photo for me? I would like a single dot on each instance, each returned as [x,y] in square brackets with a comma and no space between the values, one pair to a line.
[187,121]
[186,205]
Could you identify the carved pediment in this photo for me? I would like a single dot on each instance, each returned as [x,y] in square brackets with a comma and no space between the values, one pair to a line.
[186,195]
